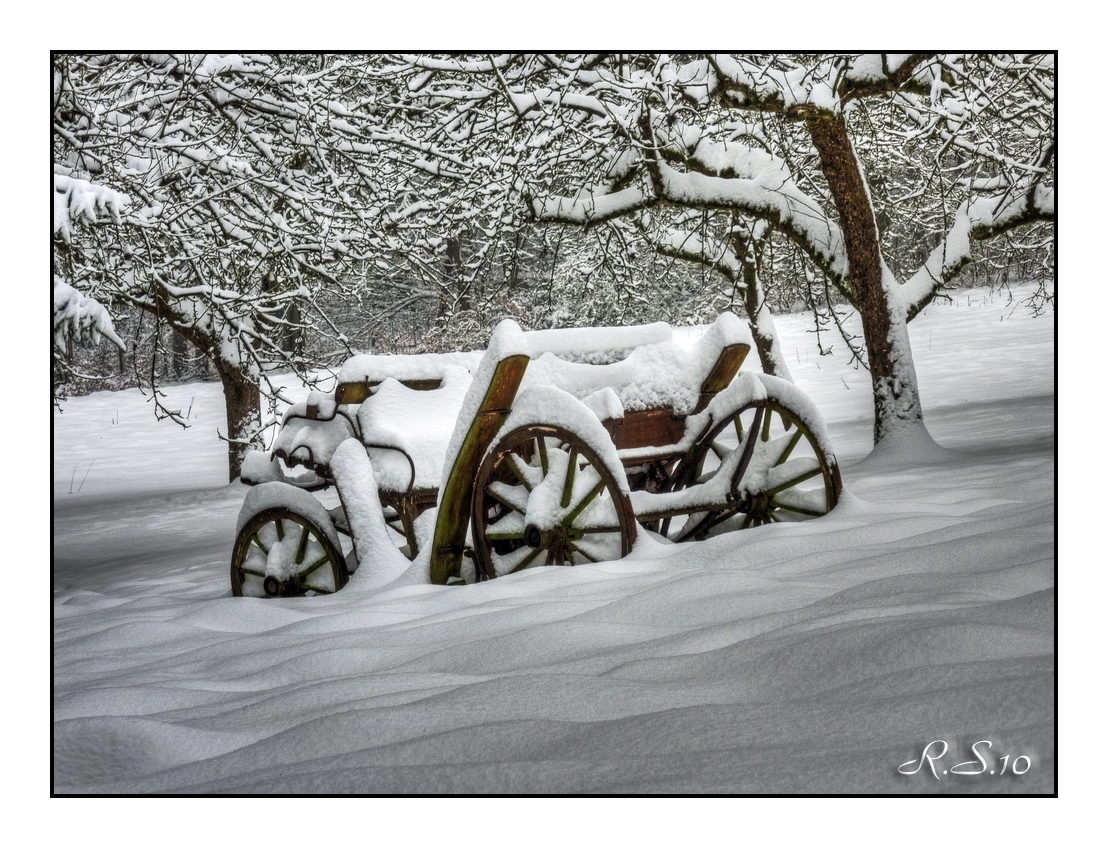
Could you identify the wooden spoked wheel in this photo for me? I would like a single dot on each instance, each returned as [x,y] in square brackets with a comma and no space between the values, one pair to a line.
[280,553]
[776,472]
[543,497]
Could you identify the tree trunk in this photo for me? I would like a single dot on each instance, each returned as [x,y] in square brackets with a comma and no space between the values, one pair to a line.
[244,420]
[178,354]
[514,263]
[455,273]
[292,339]
[762,327]
[884,319]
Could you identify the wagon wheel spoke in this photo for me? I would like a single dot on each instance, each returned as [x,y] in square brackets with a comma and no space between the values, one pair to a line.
[794,481]
[776,451]
[505,525]
[688,529]
[311,569]
[700,523]
[504,535]
[302,546]
[789,447]
[252,572]
[509,496]
[519,467]
[527,560]
[745,441]
[256,539]
[723,515]
[592,531]
[544,459]
[590,496]
[814,513]
[571,470]
[703,523]
[579,550]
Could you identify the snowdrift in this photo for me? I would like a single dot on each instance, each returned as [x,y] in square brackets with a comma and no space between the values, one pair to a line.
[819,657]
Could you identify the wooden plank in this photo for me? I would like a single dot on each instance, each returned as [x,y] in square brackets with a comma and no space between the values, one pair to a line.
[357,392]
[456,498]
[648,428]
[723,372]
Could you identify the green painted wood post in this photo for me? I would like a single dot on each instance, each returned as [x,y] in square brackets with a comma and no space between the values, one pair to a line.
[456,498]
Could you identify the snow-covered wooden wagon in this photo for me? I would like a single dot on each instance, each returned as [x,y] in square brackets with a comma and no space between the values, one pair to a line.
[553,447]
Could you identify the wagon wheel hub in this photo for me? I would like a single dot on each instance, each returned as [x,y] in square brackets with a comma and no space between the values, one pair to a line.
[555,540]
[550,538]
[287,588]
[761,505]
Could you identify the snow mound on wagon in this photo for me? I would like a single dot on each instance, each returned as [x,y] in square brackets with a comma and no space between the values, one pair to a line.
[658,374]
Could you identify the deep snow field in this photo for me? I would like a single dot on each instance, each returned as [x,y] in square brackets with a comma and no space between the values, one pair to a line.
[808,658]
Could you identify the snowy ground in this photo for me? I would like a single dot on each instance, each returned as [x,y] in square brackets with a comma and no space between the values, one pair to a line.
[813,658]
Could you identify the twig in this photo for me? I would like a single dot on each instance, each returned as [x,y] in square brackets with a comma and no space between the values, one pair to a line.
[83,479]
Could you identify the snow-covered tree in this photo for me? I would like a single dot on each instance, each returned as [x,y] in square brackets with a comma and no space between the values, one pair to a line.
[78,316]
[250,185]
[787,144]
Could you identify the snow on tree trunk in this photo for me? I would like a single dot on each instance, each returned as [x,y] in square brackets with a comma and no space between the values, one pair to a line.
[762,327]
[244,420]
[884,319]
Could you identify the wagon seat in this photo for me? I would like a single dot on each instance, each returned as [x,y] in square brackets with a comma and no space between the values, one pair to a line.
[647,386]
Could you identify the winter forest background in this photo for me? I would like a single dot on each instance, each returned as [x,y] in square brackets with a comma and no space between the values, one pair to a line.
[241,214]
[240,218]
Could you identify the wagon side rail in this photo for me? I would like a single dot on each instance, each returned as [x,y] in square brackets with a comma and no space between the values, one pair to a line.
[645,435]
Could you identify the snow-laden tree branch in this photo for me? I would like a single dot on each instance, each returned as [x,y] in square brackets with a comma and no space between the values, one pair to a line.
[978,219]
[796,89]
[78,317]
[76,199]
